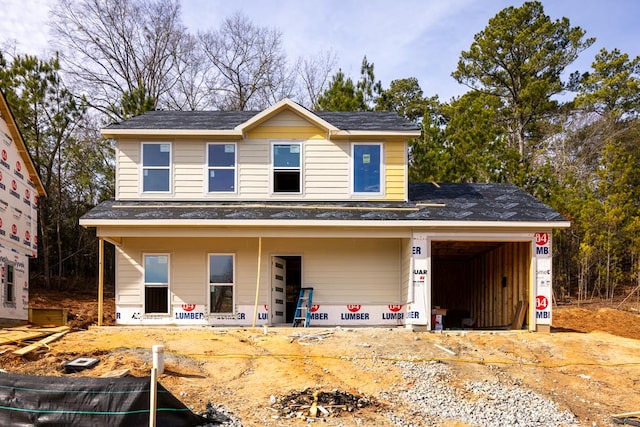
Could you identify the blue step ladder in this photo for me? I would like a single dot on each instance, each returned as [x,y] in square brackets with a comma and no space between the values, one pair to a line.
[303,309]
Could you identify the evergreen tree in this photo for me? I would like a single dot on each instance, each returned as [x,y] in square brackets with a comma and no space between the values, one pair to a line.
[405,97]
[519,58]
[345,95]
[72,166]
[613,87]
[341,95]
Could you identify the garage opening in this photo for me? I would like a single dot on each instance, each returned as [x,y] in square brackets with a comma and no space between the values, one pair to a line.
[480,284]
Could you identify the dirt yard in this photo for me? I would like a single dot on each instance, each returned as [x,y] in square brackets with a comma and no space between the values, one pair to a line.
[589,364]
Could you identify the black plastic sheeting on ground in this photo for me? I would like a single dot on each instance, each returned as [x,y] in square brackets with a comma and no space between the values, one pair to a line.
[633,420]
[27,400]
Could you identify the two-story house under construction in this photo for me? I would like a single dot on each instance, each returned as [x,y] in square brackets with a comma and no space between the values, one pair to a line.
[219,218]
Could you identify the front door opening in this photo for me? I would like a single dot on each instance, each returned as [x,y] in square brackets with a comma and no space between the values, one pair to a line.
[286,281]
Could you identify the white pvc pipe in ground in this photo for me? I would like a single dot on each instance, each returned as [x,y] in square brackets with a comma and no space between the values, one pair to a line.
[158,358]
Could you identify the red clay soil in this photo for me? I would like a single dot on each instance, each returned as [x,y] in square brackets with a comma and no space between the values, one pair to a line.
[589,364]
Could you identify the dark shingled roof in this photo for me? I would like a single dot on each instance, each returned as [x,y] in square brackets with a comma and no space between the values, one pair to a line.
[226,120]
[428,202]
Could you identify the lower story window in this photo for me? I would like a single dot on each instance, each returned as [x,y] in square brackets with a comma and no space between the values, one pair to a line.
[9,285]
[156,284]
[221,283]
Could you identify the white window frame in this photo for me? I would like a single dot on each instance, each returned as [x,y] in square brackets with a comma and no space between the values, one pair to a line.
[144,168]
[9,288]
[353,170]
[156,285]
[209,168]
[212,284]
[275,169]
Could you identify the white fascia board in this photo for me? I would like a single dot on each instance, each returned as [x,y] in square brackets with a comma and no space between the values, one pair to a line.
[374,133]
[324,223]
[226,133]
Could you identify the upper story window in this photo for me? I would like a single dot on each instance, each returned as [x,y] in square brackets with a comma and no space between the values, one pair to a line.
[367,168]
[287,170]
[221,167]
[156,167]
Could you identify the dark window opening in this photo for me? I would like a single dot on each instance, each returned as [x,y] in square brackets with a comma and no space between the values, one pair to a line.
[286,181]
[156,299]
[10,293]
[221,299]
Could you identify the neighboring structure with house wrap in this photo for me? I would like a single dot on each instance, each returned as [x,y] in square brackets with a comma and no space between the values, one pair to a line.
[20,188]
[220,217]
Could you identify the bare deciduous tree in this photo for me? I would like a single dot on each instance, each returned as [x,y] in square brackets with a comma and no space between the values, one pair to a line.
[314,73]
[116,47]
[194,80]
[250,63]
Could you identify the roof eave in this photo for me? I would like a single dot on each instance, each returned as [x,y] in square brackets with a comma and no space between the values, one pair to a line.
[211,133]
[87,223]
[354,134]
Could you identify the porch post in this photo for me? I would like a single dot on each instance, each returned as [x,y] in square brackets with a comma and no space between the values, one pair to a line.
[255,307]
[100,279]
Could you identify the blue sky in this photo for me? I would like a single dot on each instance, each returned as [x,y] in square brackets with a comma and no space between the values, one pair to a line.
[403,38]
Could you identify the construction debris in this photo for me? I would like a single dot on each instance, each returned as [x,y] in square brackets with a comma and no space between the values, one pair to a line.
[445,349]
[308,339]
[48,316]
[628,418]
[314,403]
[42,343]
[80,364]
[118,373]
[21,334]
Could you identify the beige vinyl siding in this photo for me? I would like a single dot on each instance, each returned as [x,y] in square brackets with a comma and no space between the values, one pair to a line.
[253,169]
[128,278]
[395,170]
[345,271]
[128,171]
[341,271]
[407,274]
[326,166]
[326,170]
[187,170]
[188,268]
[189,157]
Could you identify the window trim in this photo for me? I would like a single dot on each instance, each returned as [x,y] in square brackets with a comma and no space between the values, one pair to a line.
[353,170]
[232,284]
[208,168]
[275,169]
[9,298]
[156,285]
[143,167]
